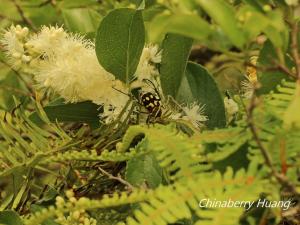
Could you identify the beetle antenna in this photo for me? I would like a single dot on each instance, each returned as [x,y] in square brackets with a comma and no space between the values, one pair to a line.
[153,86]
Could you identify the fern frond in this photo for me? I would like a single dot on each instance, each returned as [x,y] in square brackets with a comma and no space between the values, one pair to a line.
[25,144]
[176,202]
[174,150]
[88,204]
[277,103]
[227,141]
[168,204]
[91,155]
[282,144]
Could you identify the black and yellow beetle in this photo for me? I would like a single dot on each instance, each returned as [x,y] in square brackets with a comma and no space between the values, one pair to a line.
[152,102]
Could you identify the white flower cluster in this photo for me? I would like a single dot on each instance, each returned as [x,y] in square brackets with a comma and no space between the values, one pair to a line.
[193,113]
[13,42]
[67,64]
[147,68]
[78,217]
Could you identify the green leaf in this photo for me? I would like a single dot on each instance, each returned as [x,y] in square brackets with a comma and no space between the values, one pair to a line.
[120,41]
[86,112]
[199,86]
[191,26]
[82,20]
[10,217]
[144,170]
[266,59]
[176,49]
[224,15]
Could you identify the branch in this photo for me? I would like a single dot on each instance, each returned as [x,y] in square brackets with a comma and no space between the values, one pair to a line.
[281,178]
[118,178]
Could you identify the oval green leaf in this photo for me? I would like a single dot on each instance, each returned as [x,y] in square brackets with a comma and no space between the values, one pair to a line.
[86,112]
[176,49]
[199,86]
[119,42]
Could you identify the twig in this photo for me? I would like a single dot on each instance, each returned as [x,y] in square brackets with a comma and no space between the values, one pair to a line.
[118,178]
[281,178]
[294,48]
[22,14]
[285,70]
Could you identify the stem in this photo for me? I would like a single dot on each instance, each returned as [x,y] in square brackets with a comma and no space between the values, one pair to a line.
[118,178]
[281,178]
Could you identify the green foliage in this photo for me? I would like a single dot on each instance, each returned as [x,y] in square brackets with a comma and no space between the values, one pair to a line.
[144,170]
[10,218]
[176,49]
[64,162]
[218,10]
[202,88]
[119,45]
[85,112]
[81,20]
[198,28]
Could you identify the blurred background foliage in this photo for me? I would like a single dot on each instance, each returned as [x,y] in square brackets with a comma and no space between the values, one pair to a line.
[84,16]
[253,32]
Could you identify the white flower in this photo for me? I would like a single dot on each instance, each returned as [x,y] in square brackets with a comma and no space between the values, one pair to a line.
[65,63]
[13,42]
[146,69]
[194,113]
[231,107]
[48,40]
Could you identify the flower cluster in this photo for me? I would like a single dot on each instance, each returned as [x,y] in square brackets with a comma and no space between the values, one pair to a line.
[77,217]
[193,113]
[13,42]
[147,68]
[66,63]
